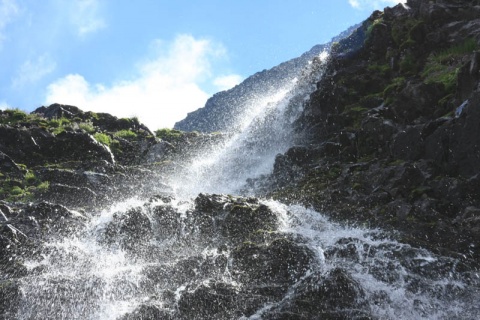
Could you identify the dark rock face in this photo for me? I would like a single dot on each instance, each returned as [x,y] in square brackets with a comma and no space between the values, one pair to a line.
[399,116]
[335,296]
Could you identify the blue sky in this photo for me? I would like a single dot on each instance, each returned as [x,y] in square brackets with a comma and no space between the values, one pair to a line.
[155,59]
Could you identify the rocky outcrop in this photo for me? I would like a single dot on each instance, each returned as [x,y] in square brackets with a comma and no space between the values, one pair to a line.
[390,136]
[79,159]
[223,110]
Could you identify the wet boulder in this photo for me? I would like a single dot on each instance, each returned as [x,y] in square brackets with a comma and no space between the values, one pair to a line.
[41,218]
[335,295]
[167,221]
[10,293]
[68,195]
[129,229]
[210,301]
[279,263]
[235,218]
[147,311]
[243,220]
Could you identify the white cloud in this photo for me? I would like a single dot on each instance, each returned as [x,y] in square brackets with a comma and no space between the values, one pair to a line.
[4,105]
[374,4]
[8,11]
[32,71]
[227,82]
[165,90]
[85,15]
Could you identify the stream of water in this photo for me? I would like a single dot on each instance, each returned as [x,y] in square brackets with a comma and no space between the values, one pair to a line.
[112,267]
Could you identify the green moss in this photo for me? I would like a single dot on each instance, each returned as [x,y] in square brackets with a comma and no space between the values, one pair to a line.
[103,138]
[12,116]
[30,177]
[443,66]
[116,147]
[408,65]
[92,115]
[43,186]
[397,162]
[372,26]
[357,186]
[125,134]
[409,43]
[169,135]
[334,173]
[460,49]
[436,72]
[403,31]
[16,190]
[394,87]
[383,69]
[419,191]
[87,126]
[56,123]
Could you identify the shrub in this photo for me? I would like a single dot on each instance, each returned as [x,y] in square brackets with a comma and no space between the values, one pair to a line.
[30,177]
[169,135]
[43,186]
[125,134]
[103,138]
[372,26]
[16,190]
[87,126]
[56,123]
[468,46]
[443,67]
[408,65]
[13,116]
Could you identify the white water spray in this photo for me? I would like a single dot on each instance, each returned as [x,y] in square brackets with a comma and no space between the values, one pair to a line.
[156,253]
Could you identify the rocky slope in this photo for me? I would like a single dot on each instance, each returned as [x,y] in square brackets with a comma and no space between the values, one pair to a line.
[223,109]
[390,137]
[62,154]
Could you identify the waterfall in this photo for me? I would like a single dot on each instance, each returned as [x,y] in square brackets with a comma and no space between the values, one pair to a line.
[200,252]
[263,130]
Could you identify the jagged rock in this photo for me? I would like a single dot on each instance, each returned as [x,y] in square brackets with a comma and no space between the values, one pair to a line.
[145,311]
[56,111]
[70,195]
[215,301]
[242,220]
[279,263]
[235,218]
[9,167]
[416,100]
[335,295]
[10,292]
[80,146]
[408,144]
[40,147]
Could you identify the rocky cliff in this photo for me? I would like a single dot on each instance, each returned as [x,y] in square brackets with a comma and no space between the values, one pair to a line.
[390,137]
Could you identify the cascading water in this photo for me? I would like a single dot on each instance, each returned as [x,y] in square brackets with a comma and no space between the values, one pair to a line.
[264,129]
[226,257]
